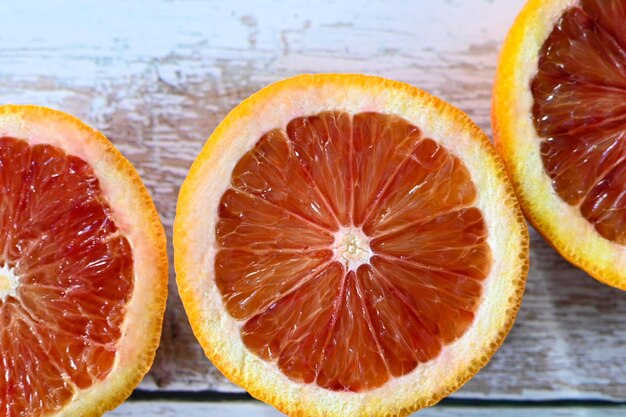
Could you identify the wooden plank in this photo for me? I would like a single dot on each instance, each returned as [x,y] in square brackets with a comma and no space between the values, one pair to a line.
[157,76]
[172,409]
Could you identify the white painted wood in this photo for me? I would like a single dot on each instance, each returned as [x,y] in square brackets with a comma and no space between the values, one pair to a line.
[157,76]
[169,409]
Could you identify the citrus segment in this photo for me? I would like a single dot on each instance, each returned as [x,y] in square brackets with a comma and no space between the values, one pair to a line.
[273,173]
[605,206]
[403,336]
[441,302]
[579,111]
[581,50]
[610,15]
[352,357]
[251,222]
[371,268]
[377,161]
[294,330]
[456,242]
[319,146]
[430,183]
[269,276]
[69,256]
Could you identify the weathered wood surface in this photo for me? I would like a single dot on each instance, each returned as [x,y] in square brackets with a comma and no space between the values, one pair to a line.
[187,409]
[157,76]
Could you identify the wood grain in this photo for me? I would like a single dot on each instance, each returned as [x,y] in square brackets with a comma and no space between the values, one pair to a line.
[157,77]
[170,409]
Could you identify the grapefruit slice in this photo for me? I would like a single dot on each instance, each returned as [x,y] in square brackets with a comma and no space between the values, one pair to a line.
[559,117]
[349,246]
[83,268]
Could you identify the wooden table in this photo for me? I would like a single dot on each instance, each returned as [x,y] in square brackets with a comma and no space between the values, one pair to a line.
[157,76]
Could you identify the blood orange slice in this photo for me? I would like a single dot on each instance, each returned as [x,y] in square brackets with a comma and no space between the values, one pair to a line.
[83,268]
[559,121]
[349,246]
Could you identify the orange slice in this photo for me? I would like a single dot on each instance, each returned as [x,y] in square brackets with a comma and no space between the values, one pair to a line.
[83,268]
[559,117]
[349,246]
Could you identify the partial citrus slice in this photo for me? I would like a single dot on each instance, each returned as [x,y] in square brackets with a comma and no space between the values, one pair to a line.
[349,246]
[83,268]
[559,117]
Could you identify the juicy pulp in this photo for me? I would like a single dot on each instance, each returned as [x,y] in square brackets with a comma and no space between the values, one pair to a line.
[74,272]
[579,112]
[350,327]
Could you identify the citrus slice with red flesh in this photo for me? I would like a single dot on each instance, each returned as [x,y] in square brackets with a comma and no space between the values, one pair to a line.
[83,268]
[560,122]
[349,246]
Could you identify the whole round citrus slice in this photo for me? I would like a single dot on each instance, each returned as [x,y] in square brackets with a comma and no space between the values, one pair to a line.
[83,268]
[349,246]
[559,116]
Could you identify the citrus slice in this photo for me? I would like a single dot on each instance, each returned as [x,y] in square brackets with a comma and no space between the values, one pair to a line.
[559,119]
[349,246]
[83,268]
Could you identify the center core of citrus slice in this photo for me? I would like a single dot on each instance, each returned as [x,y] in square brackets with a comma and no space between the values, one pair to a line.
[8,282]
[351,248]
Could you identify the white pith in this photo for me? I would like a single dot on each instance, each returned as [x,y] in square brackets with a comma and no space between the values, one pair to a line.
[352,248]
[9,282]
